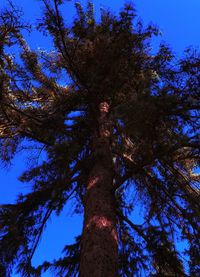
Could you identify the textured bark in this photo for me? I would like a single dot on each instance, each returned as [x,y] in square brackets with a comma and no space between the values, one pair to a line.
[99,245]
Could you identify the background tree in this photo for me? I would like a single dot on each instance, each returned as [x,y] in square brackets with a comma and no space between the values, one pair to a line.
[119,126]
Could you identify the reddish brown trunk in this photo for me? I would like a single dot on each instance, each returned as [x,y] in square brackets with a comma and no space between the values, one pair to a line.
[99,245]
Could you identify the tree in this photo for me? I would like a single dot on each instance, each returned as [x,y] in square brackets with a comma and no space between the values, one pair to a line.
[123,131]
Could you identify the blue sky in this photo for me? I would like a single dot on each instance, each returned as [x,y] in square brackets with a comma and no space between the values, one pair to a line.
[179,22]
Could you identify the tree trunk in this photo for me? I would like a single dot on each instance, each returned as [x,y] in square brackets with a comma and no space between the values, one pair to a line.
[99,245]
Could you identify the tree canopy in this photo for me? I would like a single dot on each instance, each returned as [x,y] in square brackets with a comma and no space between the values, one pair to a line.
[50,100]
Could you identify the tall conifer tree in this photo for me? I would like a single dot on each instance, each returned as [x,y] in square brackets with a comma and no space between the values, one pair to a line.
[119,127]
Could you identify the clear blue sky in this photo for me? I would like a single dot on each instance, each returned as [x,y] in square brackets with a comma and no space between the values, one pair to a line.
[179,22]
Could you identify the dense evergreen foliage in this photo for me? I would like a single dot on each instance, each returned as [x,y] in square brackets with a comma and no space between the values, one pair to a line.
[50,102]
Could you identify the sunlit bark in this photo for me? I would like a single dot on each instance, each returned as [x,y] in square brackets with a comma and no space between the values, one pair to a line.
[99,247]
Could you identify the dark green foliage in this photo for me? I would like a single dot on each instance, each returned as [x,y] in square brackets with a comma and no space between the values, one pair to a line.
[154,102]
